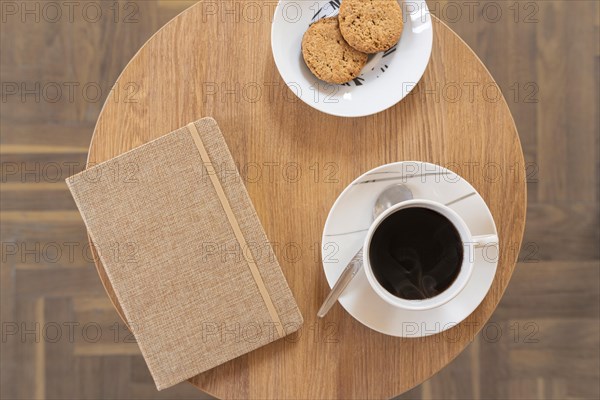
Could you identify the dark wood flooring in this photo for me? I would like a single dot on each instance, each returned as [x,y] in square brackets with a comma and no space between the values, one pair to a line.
[61,337]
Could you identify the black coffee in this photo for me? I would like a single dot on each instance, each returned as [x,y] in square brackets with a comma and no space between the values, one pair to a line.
[416,253]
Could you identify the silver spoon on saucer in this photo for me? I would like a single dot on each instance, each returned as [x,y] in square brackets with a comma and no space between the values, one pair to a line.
[392,195]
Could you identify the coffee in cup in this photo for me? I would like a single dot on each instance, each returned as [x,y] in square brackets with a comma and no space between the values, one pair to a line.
[419,254]
[416,253]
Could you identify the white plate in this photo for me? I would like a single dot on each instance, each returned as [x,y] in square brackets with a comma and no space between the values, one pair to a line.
[346,228]
[386,79]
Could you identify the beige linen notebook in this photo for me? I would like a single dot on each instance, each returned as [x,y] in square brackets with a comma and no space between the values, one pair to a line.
[185,252]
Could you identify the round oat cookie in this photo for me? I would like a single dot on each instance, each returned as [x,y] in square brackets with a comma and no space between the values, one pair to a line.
[371,26]
[327,54]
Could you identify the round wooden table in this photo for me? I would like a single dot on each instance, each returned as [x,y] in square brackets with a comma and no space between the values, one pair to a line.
[295,161]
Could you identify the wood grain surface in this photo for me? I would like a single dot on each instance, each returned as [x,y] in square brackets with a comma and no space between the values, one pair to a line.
[202,66]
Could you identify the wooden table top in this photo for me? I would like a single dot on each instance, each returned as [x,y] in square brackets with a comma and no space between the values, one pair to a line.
[296,161]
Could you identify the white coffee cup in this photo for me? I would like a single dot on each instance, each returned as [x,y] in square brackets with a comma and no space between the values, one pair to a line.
[470,243]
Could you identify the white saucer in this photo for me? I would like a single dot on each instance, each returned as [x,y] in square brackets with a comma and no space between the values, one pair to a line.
[347,225]
[386,79]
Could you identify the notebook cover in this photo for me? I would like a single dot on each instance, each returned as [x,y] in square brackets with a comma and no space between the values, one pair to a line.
[185,252]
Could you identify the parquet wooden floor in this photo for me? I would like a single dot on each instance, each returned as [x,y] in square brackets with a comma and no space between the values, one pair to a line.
[61,337]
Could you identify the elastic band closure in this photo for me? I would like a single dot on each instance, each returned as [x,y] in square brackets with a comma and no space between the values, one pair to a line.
[236,228]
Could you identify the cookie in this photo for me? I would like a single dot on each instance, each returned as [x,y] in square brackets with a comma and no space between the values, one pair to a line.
[327,54]
[371,26]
